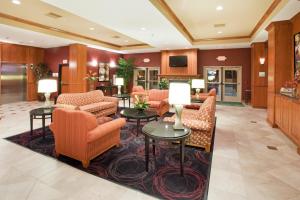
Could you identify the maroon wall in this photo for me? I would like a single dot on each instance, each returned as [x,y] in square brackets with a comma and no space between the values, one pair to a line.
[235,57]
[102,56]
[155,59]
[55,56]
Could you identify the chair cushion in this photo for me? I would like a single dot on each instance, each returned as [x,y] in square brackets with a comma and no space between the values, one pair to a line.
[66,106]
[94,107]
[158,95]
[154,104]
[102,120]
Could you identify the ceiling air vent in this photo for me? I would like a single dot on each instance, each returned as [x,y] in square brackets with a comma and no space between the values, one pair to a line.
[53,15]
[219,25]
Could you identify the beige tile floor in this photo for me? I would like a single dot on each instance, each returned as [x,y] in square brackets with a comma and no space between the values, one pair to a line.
[242,168]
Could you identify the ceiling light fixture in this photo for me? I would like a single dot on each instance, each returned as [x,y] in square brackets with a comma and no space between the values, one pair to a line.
[143,28]
[17,2]
[219,8]
[220,32]
[92,28]
[126,41]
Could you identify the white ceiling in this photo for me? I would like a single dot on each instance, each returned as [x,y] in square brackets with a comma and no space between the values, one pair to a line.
[16,35]
[128,17]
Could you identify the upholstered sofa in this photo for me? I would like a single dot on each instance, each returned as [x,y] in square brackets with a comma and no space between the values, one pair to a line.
[158,100]
[79,135]
[201,122]
[94,102]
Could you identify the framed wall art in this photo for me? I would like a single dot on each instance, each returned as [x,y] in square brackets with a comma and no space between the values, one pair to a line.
[297,56]
[103,71]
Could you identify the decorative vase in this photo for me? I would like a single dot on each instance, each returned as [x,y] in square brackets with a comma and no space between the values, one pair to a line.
[91,85]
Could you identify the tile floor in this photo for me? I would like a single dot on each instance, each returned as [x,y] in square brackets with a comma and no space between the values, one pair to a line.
[243,167]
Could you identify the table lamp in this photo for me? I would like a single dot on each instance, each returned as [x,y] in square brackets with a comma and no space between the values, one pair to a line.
[119,83]
[47,86]
[198,84]
[179,95]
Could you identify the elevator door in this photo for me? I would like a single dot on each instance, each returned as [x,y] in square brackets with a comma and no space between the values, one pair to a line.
[13,83]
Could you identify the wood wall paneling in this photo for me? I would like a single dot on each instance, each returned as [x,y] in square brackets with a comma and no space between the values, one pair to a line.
[77,68]
[191,69]
[279,62]
[12,53]
[287,117]
[259,84]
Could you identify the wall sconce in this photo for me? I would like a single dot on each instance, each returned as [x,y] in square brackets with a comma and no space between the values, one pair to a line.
[94,63]
[146,60]
[262,61]
[112,64]
[221,58]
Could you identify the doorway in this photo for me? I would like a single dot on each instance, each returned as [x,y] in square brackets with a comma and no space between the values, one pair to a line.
[147,77]
[226,80]
[13,83]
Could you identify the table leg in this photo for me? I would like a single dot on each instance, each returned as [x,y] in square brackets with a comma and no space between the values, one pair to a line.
[31,125]
[124,103]
[44,128]
[182,143]
[138,122]
[147,152]
[153,147]
[129,101]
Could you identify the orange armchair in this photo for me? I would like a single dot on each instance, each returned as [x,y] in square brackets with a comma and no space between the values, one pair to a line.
[78,135]
[158,100]
[204,96]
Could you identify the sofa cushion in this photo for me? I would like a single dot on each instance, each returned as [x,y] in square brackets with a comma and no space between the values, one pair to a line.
[154,104]
[158,95]
[81,99]
[102,120]
[94,107]
[66,106]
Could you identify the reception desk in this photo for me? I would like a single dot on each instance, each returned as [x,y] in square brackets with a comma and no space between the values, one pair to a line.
[287,117]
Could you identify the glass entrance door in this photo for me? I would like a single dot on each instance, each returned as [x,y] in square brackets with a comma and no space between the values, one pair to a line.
[232,84]
[213,77]
[147,77]
[227,82]
[140,77]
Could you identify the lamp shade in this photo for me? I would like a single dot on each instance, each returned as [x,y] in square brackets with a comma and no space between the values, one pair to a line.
[119,81]
[47,86]
[180,93]
[198,83]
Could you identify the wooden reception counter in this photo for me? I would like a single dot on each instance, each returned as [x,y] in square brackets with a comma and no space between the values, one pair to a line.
[287,117]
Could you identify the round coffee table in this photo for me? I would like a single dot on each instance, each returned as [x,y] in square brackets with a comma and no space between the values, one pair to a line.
[40,113]
[123,97]
[132,113]
[163,131]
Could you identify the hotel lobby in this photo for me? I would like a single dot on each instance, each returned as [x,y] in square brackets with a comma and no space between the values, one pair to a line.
[150,99]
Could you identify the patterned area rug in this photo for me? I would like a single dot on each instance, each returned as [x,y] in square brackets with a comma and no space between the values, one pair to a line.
[125,165]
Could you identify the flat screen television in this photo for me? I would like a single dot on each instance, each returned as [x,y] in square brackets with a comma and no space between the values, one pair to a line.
[178,61]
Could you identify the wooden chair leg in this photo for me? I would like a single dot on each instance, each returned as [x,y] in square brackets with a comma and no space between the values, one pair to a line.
[85,163]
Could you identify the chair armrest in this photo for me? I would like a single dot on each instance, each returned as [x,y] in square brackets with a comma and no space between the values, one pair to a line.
[197,124]
[105,128]
[111,99]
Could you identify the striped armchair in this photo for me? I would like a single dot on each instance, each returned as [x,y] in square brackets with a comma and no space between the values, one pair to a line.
[201,122]
[79,135]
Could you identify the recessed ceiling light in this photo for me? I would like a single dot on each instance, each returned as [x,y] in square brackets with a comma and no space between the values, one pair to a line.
[31,41]
[17,2]
[219,8]
[92,28]
[126,41]
[220,32]
[143,28]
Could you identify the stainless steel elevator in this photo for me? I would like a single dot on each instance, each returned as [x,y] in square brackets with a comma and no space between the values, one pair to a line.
[13,83]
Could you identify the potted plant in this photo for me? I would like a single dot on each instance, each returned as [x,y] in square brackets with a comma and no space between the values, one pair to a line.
[91,77]
[41,71]
[163,84]
[140,103]
[125,70]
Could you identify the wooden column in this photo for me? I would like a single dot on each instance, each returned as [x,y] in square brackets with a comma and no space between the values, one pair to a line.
[279,62]
[34,56]
[259,85]
[77,68]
